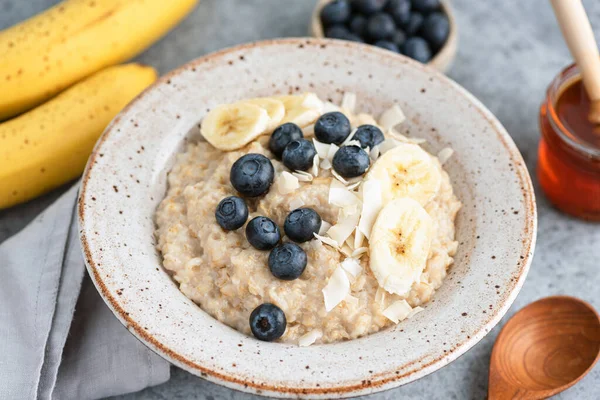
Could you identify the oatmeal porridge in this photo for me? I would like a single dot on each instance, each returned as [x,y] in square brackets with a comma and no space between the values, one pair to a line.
[306,222]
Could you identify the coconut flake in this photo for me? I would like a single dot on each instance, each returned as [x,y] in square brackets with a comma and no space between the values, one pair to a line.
[387,145]
[351,266]
[346,250]
[296,203]
[324,227]
[339,177]
[349,102]
[445,154]
[352,300]
[354,185]
[312,101]
[336,290]
[322,148]
[340,196]
[397,135]
[397,311]
[346,211]
[327,241]
[358,238]
[352,181]
[309,130]
[325,164]
[365,119]
[414,311]
[353,143]
[344,228]
[349,138]
[359,252]
[350,243]
[380,296]
[287,183]
[332,150]
[303,176]
[330,107]
[374,153]
[315,167]
[372,203]
[392,117]
[310,337]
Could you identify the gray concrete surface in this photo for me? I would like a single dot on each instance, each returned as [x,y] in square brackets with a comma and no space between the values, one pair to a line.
[509,51]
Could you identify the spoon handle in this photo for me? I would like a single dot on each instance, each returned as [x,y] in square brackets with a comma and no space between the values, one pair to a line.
[579,36]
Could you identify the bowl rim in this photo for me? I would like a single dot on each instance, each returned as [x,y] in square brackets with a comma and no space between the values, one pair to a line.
[443,58]
[349,390]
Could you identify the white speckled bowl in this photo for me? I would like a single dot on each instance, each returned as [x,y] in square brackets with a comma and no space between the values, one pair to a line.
[126,178]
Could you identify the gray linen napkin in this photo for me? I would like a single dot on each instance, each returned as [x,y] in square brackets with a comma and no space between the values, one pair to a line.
[58,340]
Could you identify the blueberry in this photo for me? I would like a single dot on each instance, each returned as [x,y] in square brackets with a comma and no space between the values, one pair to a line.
[398,38]
[262,233]
[380,26]
[333,127]
[368,136]
[299,155]
[357,24]
[252,175]
[231,213]
[287,261]
[399,10]
[368,7]
[435,30]
[335,12]
[301,223]
[417,49]
[426,6]
[386,44]
[282,136]
[351,161]
[414,24]
[342,33]
[267,322]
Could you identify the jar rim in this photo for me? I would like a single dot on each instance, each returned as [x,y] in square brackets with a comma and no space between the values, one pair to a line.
[562,81]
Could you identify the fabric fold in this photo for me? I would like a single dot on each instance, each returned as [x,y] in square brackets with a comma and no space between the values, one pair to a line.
[58,339]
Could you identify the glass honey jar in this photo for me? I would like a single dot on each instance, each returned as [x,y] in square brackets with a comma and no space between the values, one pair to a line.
[569,151]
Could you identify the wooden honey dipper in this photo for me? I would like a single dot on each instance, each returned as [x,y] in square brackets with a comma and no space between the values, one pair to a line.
[579,36]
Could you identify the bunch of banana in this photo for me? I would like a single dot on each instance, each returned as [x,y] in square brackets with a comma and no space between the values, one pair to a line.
[401,237]
[72,45]
[49,52]
[50,145]
[232,126]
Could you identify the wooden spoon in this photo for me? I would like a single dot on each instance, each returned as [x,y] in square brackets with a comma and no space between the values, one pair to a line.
[579,36]
[544,349]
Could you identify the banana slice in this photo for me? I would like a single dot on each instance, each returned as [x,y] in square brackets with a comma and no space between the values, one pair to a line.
[302,110]
[274,108]
[399,245]
[407,171]
[232,126]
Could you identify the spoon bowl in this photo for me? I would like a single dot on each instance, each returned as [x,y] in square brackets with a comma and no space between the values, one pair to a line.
[544,349]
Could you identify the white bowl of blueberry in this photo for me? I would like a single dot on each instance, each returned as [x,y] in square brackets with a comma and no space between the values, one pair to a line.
[424,30]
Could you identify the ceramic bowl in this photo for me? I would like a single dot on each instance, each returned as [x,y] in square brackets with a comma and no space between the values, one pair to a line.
[442,59]
[126,179]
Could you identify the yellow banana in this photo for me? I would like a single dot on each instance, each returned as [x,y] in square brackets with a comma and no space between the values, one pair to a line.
[49,52]
[49,145]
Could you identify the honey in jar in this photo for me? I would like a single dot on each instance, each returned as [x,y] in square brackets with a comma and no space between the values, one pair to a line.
[569,150]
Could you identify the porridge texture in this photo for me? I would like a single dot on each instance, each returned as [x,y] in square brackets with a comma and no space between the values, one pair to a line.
[228,278]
